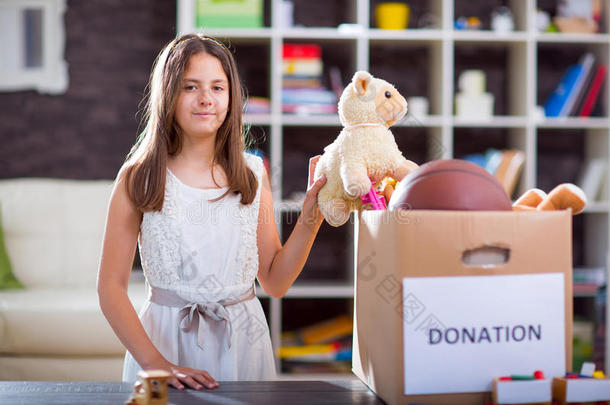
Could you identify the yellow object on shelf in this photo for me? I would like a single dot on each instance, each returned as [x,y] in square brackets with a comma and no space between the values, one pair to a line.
[392,16]
[327,331]
[295,351]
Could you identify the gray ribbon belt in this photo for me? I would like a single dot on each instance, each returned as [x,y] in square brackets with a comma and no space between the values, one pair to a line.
[192,315]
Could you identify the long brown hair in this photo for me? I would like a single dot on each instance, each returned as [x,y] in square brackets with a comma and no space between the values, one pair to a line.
[145,167]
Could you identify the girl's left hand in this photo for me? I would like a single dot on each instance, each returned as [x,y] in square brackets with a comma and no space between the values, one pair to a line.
[311,215]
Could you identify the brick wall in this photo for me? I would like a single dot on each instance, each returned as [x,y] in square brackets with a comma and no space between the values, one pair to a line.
[87,132]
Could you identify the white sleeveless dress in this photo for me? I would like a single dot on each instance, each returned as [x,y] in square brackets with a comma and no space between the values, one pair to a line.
[204,252]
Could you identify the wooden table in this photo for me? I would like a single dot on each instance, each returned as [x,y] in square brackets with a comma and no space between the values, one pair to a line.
[229,393]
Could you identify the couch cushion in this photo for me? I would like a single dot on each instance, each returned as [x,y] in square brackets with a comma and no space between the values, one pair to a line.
[25,368]
[59,322]
[53,229]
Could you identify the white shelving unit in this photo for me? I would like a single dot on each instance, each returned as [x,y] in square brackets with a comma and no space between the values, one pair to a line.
[525,51]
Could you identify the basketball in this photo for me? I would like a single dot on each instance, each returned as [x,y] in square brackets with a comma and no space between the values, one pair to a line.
[450,185]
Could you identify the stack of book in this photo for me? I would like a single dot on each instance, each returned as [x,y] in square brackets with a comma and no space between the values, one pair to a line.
[302,88]
[324,347]
[578,91]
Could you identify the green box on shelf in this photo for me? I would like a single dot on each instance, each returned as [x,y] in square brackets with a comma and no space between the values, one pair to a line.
[229,14]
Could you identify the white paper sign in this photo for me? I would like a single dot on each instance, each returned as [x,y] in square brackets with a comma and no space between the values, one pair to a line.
[461,332]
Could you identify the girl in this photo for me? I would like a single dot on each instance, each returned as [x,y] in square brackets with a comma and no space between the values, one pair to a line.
[202,212]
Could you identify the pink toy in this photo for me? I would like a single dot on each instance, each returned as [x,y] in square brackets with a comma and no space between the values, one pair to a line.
[376,201]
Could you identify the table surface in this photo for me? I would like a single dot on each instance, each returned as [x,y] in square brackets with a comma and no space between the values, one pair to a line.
[233,393]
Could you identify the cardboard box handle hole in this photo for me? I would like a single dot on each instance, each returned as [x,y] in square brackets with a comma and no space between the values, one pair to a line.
[486,257]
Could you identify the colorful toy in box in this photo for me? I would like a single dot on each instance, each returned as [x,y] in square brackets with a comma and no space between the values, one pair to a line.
[373,199]
[522,389]
[588,386]
[365,151]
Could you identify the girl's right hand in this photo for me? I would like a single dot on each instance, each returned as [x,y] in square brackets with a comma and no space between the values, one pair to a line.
[193,378]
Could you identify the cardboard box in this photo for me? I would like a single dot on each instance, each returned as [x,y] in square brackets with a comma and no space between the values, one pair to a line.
[581,390]
[402,250]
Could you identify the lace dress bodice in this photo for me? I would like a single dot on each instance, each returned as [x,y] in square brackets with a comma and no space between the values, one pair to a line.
[200,249]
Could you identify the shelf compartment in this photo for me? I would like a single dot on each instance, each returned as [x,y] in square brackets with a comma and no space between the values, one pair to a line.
[301,313]
[590,240]
[505,73]
[414,78]
[564,155]
[336,54]
[323,13]
[423,14]
[418,144]
[331,256]
[484,9]
[550,6]
[553,62]
[251,59]
[301,144]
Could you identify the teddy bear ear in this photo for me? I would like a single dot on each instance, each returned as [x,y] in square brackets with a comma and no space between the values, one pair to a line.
[361,82]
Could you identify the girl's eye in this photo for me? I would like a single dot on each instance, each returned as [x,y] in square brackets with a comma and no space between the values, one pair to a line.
[218,88]
[189,87]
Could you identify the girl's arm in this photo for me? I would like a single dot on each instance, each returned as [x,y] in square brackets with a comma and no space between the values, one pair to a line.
[118,250]
[279,266]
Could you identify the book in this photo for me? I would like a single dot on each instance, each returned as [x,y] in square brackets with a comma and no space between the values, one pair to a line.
[593,91]
[585,63]
[592,178]
[509,169]
[308,96]
[301,51]
[556,101]
[582,92]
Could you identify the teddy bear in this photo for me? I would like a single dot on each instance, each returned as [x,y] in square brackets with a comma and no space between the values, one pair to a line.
[562,197]
[365,151]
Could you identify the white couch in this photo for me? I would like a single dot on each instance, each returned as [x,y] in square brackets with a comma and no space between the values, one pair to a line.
[54,329]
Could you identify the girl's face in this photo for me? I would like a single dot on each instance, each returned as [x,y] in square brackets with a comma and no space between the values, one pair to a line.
[203,99]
